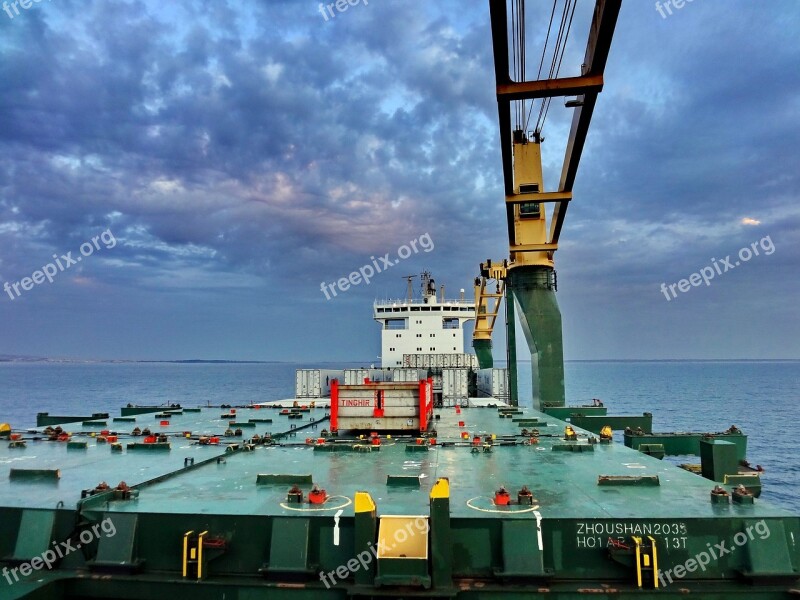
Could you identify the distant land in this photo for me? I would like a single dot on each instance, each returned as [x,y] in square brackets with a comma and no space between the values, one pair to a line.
[14,358]
[41,359]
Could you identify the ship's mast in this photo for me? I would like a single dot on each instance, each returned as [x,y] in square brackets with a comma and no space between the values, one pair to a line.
[410,292]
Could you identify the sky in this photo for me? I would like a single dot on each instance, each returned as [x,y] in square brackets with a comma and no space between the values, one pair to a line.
[212,163]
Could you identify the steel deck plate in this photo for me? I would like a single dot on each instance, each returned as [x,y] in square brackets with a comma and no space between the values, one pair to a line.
[564,484]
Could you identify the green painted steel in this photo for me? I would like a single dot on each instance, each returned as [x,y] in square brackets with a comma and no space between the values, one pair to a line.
[718,459]
[655,450]
[283,479]
[34,534]
[44,475]
[534,290]
[441,543]
[751,482]
[44,419]
[523,556]
[483,350]
[365,532]
[564,412]
[616,422]
[686,444]
[118,552]
[511,346]
[289,548]
[132,411]
[268,547]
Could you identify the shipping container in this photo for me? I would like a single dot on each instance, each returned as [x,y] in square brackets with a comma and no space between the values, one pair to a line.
[493,382]
[357,376]
[455,384]
[437,382]
[315,383]
[439,361]
[408,375]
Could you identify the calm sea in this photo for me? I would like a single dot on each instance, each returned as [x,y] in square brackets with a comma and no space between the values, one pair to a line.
[761,398]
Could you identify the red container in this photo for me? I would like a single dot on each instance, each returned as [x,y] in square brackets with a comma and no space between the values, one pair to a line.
[213,440]
[233,411]
[461,423]
[105,432]
[150,439]
[111,439]
[164,423]
[16,436]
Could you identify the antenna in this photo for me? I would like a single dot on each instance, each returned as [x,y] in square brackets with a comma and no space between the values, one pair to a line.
[410,280]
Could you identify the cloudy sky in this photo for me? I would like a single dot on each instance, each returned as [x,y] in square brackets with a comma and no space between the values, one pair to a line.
[239,154]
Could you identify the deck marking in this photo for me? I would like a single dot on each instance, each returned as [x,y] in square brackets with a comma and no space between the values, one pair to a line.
[539,528]
[336,526]
[494,510]
[347,502]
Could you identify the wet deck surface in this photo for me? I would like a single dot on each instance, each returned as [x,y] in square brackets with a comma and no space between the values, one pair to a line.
[564,484]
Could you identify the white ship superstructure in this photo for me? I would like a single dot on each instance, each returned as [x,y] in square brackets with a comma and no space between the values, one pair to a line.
[425,325]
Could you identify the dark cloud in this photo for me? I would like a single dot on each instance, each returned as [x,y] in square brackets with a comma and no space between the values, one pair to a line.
[242,153]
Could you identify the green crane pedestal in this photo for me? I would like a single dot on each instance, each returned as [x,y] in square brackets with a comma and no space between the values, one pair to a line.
[534,289]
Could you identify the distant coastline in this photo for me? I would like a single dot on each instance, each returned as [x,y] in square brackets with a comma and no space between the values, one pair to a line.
[5,358]
[10,358]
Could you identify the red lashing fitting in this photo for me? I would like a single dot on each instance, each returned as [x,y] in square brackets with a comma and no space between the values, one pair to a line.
[502,497]
[317,496]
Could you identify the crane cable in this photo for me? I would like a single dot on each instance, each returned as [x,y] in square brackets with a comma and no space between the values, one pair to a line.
[558,67]
[541,61]
[518,57]
[553,61]
[518,53]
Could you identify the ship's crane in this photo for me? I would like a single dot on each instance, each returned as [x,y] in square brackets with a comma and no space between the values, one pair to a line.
[487,307]
[530,278]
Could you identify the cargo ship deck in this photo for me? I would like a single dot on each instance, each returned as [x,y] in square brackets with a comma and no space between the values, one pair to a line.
[564,483]
[589,498]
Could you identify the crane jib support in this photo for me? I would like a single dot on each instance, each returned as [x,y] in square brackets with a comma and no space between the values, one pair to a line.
[587,86]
